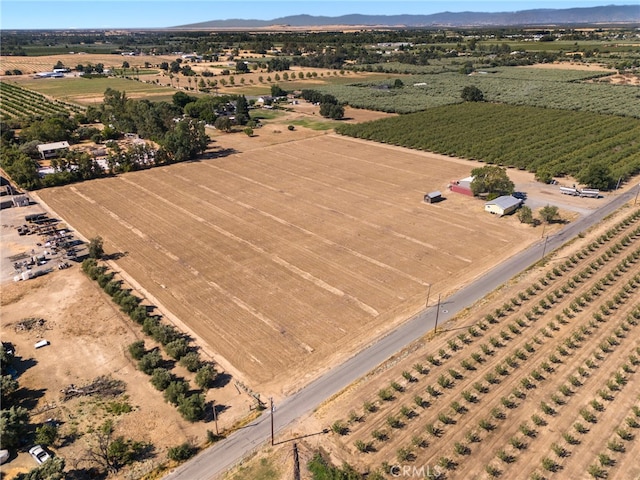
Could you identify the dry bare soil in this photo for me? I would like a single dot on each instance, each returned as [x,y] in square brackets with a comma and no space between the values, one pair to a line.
[286,259]
[88,338]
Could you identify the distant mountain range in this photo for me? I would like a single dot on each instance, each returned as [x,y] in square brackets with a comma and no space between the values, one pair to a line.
[611,14]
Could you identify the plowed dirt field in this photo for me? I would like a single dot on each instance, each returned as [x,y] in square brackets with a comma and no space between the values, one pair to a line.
[286,259]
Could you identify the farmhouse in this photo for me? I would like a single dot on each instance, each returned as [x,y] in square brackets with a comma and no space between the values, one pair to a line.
[265,100]
[50,150]
[502,205]
[433,197]
[462,186]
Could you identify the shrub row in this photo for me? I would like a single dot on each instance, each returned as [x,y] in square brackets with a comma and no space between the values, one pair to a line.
[176,390]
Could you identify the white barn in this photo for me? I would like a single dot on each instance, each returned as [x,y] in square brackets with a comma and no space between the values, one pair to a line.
[502,205]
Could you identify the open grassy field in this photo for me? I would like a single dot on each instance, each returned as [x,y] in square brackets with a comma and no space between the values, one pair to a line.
[540,380]
[287,258]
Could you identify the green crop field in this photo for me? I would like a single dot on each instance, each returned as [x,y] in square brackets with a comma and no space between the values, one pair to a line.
[89,90]
[18,102]
[524,137]
[567,46]
[516,86]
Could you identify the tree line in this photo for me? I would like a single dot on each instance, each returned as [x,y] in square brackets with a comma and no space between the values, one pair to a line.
[178,138]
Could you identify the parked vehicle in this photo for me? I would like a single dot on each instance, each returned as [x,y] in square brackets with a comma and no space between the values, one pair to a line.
[39,454]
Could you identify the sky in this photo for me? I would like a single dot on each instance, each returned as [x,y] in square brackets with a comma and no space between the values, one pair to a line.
[106,14]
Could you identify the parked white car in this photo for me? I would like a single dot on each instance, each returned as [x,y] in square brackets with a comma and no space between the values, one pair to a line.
[39,454]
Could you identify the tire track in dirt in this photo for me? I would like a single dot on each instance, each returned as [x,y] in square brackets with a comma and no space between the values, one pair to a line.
[351,217]
[275,258]
[299,228]
[232,336]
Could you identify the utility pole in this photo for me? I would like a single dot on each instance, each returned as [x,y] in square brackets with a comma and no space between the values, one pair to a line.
[437,314]
[215,417]
[544,250]
[271,407]
[428,293]
[637,191]
[296,463]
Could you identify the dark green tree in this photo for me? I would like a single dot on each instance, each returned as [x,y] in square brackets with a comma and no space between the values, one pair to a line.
[206,374]
[177,348]
[223,123]
[6,358]
[597,175]
[96,249]
[175,391]
[149,362]
[137,350]
[13,425]
[276,91]
[8,387]
[333,111]
[187,140]
[52,469]
[161,378]
[46,434]
[242,111]
[472,94]
[492,180]
[242,67]
[191,361]
[181,99]
[20,167]
[191,407]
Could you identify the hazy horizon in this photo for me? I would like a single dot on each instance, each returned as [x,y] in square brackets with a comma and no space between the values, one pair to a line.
[115,14]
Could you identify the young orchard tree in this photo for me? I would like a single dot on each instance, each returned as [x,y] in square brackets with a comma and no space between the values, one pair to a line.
[549,213]
[525,215]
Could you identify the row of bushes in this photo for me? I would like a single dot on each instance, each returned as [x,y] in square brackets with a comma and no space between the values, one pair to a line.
[175,344]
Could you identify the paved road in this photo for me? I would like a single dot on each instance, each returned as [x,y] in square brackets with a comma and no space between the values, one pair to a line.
[217,459]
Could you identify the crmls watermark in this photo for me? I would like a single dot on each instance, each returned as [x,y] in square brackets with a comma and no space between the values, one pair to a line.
[414,471]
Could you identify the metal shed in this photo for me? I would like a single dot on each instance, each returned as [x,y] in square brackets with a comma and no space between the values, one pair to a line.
[502,205]
[433,197]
